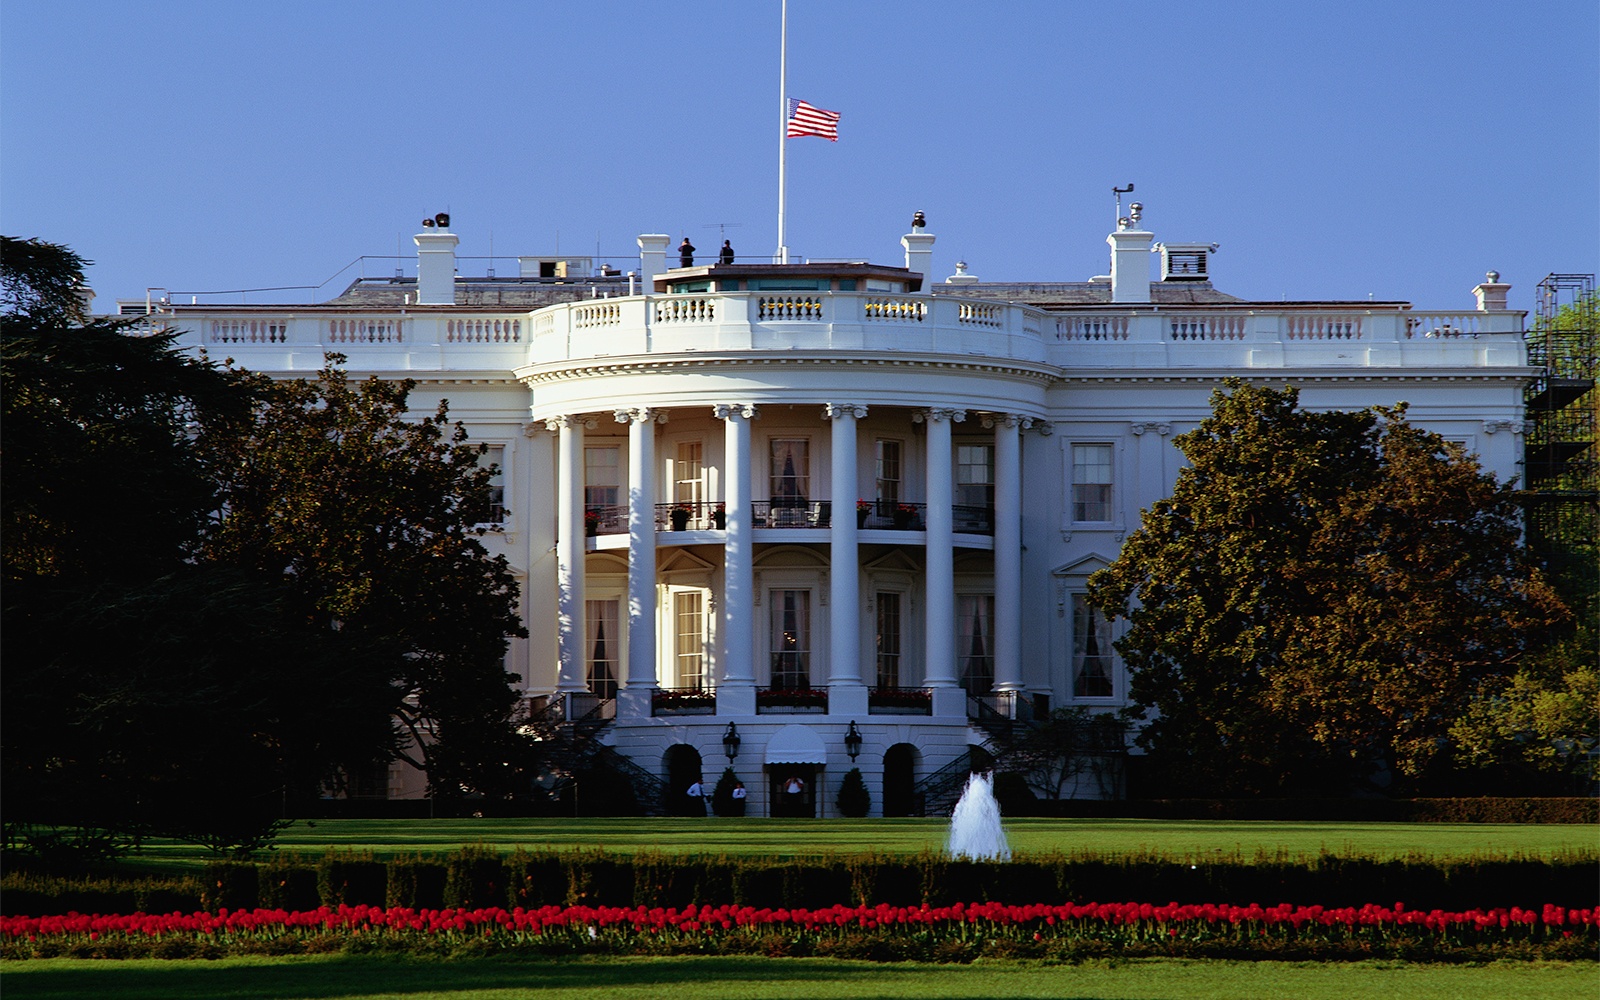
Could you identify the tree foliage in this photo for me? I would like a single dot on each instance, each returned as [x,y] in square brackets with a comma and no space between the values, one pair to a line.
[1321,595]
[368,518]
[221,592]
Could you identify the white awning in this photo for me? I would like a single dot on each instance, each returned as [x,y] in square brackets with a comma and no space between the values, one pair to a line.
[796,745]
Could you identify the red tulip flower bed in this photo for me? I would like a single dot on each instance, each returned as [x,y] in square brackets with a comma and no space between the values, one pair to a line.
[951,933]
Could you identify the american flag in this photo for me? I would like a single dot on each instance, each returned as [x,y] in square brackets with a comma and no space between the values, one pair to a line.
[807,120]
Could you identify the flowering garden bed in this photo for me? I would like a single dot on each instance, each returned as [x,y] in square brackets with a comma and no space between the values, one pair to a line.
[960,932]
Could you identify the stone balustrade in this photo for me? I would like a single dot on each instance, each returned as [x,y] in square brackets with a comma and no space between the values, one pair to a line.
[1091,337]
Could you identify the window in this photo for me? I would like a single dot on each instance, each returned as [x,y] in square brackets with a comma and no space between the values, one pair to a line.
[791,639]
[888,459]
[495,457]
[602,483]
[975,475]
[688,610]
[1091,651]
[888,640]
[688,475]
[790,479]
[975,641]
[604,646]
[1091,482]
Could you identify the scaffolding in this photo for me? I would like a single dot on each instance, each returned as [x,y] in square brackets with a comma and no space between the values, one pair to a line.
[1561,460]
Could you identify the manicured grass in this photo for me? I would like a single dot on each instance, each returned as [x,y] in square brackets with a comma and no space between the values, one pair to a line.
[711,835]
[359,978]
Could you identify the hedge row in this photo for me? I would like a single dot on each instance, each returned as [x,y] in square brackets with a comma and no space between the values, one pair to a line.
[482,877]
[1469,810]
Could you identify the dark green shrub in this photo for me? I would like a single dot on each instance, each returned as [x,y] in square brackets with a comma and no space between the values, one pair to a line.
[722,800]
[352,881]
[854,799]
[537,879]
[475,878]
[415,883]
[287,883]
[231,884]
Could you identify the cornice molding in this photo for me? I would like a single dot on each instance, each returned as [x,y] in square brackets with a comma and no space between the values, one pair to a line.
[1040,374]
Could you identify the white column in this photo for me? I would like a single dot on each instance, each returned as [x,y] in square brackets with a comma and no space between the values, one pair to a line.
[633,701]
[570,534]
[846,693]
[1008,550]
[736,692]
[939,587]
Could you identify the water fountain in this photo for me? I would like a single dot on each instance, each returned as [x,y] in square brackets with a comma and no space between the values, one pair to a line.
[975,830]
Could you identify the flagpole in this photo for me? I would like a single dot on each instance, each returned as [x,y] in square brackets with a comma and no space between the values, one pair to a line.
[783,129]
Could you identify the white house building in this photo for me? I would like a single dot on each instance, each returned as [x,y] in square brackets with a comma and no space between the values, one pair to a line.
[799,503]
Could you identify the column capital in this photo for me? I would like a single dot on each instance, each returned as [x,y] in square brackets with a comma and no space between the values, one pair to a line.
[570,421]
[833,411]
[1044,427]
[933,413]
[641,415]
[992,420]
[736,411]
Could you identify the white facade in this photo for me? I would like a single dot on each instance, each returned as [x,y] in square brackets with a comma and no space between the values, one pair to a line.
[889,494]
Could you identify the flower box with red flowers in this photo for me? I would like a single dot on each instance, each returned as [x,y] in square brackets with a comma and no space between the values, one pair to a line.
[683,701]
[798,700]
[900,701]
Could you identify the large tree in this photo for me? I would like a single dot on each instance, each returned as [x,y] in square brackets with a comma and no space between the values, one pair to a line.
[369,516]
[222,592]
[1319,598]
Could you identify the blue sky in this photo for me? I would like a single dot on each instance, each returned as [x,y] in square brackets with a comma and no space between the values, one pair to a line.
[1392,149]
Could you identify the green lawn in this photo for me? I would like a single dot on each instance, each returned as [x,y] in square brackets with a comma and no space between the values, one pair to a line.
[359,978]
[909,836]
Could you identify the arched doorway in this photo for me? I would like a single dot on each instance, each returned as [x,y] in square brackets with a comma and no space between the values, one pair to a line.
[683,769]
[899,780]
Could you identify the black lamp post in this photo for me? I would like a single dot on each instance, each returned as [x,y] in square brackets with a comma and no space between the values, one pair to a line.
[852,741]
[730,742]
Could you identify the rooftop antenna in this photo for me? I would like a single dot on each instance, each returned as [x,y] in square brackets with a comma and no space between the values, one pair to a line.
[723,227]
[1118,193]
[399,254]
[491,253]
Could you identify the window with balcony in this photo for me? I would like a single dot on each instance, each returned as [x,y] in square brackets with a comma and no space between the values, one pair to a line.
[1091,482]
[1091,651]
[605,647]
[974,496]
[688,610]
[975,641]
[791,639]
[888,475]
[688,475]
[790,480]
[888,604]
[602,479]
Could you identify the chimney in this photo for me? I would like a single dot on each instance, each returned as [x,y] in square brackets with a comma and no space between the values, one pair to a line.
[436,264]
[919,252]
[1130,258]
[652,259]
[1492,293]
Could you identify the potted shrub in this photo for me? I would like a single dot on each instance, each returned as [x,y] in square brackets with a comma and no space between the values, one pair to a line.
[904,515]
[863,511]
[854,799]
[591,522]
[680,517]
[723,802]
[719,516]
